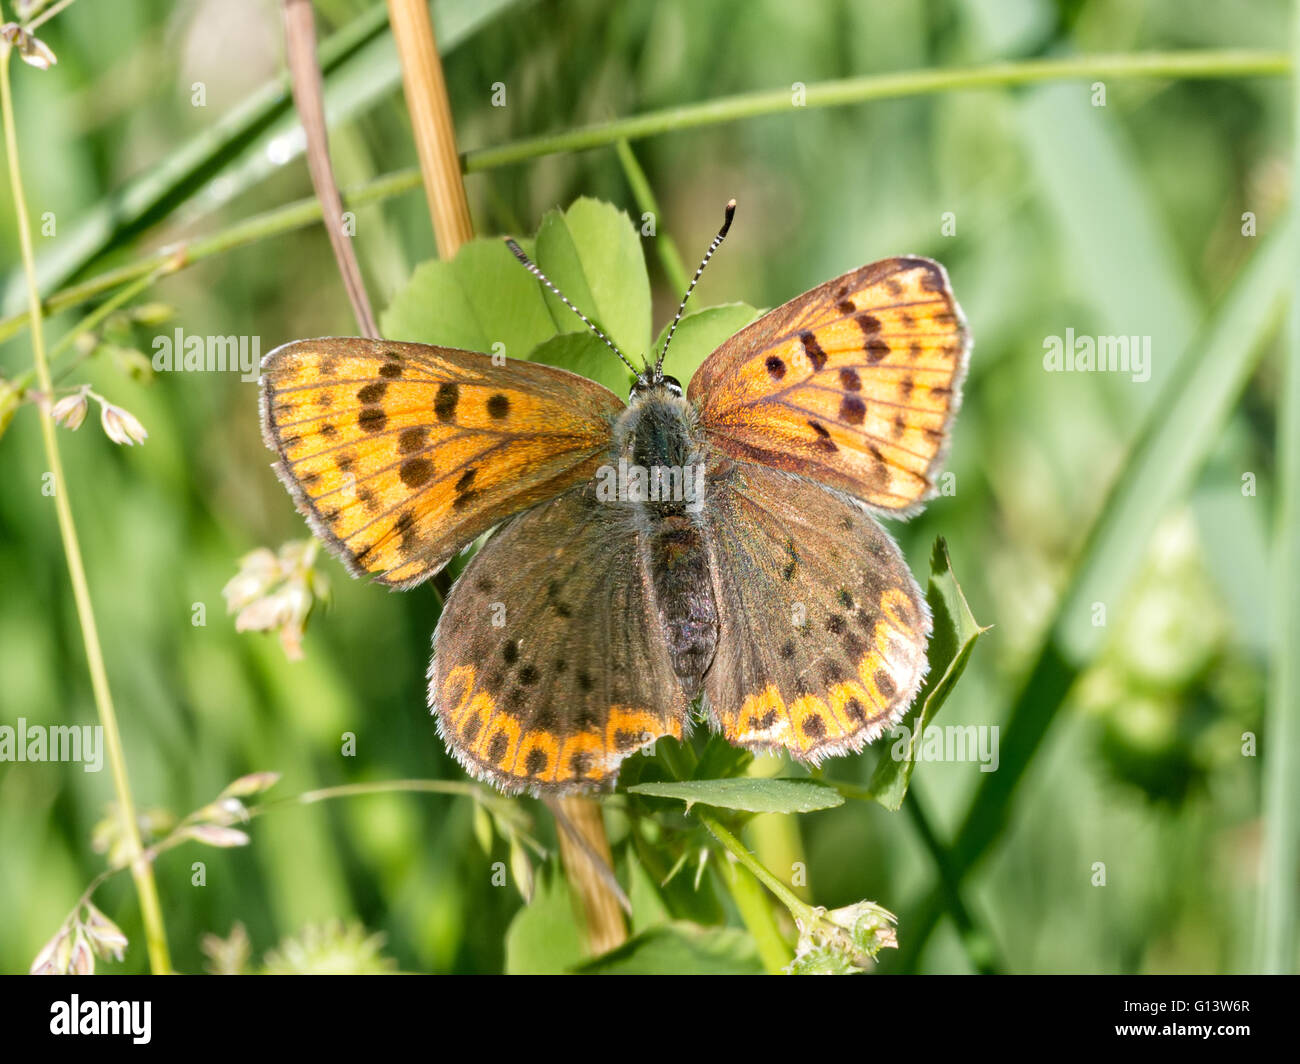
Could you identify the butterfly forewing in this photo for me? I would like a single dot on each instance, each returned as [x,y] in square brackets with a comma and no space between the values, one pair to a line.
[400,454]
[549,668]
[854,383]
[822,630]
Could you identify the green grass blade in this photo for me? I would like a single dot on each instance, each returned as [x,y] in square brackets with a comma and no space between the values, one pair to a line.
[370,76]
[1275,950]
[955,633]
[359,67]
[1184,427]
[1210,63]
[185,170]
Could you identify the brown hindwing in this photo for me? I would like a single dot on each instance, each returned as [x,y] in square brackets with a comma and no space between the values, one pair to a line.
[823,630]
[549,665]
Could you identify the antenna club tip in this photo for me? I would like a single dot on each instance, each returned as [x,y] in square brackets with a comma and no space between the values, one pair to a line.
[731,204]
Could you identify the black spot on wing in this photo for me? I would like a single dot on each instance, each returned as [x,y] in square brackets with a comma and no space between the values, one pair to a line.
[813,349]
[444,403]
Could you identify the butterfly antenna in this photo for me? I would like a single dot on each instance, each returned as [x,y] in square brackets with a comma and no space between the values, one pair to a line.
[531,267]
[717,242]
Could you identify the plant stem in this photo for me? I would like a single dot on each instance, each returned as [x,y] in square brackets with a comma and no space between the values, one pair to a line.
[803,913]
[96,317]
[588,866]
[187,168]
[46,15]
[458,788]
[90,322]
[665,246]
[585,852]
[1198,64]
[1208,63]
[431,122]
[141,871]
[976,940]
[756,911]
[1280,860]
[776,838]
[308,98]
[276,222]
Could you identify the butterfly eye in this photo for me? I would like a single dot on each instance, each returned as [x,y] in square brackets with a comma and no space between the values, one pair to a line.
[642,386]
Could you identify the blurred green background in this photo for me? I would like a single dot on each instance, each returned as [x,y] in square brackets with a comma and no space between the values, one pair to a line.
[1117,219]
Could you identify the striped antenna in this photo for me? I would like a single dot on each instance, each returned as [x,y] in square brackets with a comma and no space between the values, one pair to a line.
[531,267]
[717,242]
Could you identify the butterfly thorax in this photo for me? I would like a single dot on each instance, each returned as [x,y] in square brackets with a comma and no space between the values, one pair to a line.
[660,455]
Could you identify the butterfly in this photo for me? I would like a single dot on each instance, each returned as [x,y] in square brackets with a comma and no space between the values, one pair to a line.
[716,543]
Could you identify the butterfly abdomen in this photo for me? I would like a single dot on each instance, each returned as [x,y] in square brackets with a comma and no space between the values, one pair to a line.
[661,461]
[677,560]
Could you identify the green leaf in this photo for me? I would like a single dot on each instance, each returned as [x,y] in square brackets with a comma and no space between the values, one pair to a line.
[648,906]
[543,938]
[699,334]
[720,759]
[583,353]
[674,874]
[479,298]
[677,949]
[749,795]
[482,297]
[955,632]
[592,254]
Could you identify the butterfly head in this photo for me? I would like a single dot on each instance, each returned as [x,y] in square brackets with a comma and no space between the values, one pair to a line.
[649,382]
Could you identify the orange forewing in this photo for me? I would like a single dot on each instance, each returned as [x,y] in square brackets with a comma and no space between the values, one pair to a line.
[854,383]
[401,454]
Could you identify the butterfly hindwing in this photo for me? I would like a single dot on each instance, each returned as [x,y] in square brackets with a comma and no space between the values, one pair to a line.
[549,667]
[854,383]
[400,454]
[822,629]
